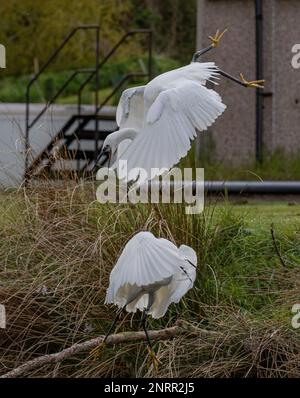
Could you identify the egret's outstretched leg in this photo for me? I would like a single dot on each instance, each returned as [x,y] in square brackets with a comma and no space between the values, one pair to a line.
[242,81]
[96,351]
[152,355]
[215,42]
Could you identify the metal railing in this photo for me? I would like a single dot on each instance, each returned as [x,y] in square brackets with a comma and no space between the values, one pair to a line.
[28,124]
[130,33]
[92,73]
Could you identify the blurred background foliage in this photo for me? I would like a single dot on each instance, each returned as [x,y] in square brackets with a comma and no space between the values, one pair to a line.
[12,88]
[32,29]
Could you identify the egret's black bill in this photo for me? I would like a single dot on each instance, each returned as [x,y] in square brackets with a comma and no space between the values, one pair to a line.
[101,160]
[191,263]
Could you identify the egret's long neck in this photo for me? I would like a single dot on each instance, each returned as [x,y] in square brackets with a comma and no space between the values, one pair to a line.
[124,134]
[122,138]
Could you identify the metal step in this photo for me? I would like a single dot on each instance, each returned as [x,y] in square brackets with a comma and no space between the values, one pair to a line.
[81,136]
[103,125]
[101,116]
[90,134]
[81,154]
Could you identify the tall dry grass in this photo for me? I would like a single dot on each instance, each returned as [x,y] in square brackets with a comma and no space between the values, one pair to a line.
[58,246]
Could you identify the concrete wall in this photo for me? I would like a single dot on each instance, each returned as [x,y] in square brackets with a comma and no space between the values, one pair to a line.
[234,133]
[12,133]
[286,80]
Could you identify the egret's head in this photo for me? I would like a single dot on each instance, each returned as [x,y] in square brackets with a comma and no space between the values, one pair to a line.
[105,156]
[189,255]
[109,149]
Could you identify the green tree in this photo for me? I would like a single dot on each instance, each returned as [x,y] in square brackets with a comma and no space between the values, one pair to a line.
[173,23]
[31,29]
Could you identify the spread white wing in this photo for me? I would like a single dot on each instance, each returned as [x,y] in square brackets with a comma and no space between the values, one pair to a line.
[148,264]
[130,113]
[130,110]
[181,282]
[170,126]
[144,261]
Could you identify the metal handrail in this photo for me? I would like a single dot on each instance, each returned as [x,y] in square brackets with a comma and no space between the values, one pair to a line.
[84,119]
[29,125]
[92,72]
[103,62]
[119,85]
[116,88]
[118,44]
[58,50]
[60,90]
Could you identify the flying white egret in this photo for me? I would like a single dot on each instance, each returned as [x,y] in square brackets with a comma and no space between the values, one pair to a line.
[150,274]
[157,122]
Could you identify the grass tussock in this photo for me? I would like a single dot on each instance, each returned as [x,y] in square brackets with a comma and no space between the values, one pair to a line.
[58,246]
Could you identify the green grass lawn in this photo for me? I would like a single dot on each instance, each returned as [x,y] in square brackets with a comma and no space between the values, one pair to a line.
[261,214]
[276,166]
[61,241]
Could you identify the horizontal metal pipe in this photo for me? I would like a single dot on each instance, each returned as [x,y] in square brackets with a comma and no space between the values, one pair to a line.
[238,187]
[253,187]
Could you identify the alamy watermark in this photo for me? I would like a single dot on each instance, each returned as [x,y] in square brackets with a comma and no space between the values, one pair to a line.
[296,58]
[174,186]
[2,56]
[296,318]
[2,317]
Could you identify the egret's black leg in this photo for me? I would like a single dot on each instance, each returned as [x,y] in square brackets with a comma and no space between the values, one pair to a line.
[242,81]
[234,79]
[143,320]
[96,350]
[113,324]
[153,357]
[201,52]
[215,42]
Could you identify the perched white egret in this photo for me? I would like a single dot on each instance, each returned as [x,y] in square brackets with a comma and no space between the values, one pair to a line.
[150,274]
[158,121]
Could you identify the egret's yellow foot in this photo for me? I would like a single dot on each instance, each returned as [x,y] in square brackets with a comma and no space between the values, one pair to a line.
[253,83]
[96,352]
[216,38]
[153,359]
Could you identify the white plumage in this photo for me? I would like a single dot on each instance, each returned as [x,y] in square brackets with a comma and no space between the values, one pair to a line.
[129,115]
[159,120]
[150,274]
